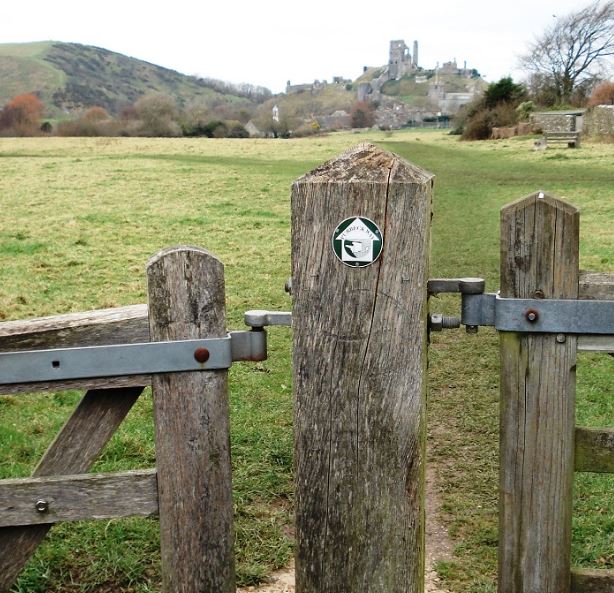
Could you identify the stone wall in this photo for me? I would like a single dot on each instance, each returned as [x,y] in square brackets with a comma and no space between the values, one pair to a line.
[558,122]
[600,121]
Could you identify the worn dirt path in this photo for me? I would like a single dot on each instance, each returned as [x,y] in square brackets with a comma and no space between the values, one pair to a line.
[438,547]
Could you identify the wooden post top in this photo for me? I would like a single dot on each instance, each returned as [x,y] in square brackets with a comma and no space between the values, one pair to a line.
[367,163]
[542,197]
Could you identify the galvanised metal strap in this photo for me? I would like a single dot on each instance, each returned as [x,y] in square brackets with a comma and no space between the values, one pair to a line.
[563,316]
[64,364]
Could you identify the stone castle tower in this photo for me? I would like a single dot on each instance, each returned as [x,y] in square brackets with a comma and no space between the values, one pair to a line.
[401,61]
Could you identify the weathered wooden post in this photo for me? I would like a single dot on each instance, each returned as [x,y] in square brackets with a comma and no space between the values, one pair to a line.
[539,259]
[186,301]
[360,247]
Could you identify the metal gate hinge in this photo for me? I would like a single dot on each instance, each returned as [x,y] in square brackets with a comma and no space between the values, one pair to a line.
[257,319]
[564,316]
[64,364]
[117,360]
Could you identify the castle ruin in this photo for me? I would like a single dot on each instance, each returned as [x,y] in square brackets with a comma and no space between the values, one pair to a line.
[401,61]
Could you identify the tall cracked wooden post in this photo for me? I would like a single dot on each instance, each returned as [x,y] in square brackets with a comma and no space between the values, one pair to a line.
[539,259]
[360,250]
[191,413]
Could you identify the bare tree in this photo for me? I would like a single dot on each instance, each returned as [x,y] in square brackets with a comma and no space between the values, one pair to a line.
[575,49]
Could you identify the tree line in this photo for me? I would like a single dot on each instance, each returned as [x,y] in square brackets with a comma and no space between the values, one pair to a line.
[151,115]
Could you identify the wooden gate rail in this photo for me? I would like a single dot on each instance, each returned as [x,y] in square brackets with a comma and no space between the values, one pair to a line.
[191,487]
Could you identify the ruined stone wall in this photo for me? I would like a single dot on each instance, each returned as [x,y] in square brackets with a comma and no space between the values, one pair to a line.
[600,121]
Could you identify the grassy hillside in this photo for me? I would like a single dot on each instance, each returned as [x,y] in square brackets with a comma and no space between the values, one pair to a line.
[69,76]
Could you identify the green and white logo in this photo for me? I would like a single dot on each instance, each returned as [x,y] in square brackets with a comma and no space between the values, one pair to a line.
[357,242]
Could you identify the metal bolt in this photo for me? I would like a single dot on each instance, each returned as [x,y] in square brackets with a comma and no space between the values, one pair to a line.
[560,338]
[437,322]
[201,355]
[450,322]
[532,315]
[538,294]
[42,506]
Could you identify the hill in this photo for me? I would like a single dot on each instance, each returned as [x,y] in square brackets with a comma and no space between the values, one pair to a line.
[71,76]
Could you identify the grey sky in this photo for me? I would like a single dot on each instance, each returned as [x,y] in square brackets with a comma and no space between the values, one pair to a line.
[271,41]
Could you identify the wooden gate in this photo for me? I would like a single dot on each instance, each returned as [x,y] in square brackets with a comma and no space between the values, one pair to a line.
[360,252]
[191,487]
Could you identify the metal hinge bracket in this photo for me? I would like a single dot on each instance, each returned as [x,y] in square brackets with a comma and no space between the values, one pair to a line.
[564,316]
[146,358]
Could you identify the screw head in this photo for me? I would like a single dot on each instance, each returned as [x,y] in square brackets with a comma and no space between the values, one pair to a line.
[532,315]
[560,338]
[42,506]
[201,355]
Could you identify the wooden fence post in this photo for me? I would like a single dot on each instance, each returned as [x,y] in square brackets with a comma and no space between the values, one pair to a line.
[359,364]
[186,301]
[539,259]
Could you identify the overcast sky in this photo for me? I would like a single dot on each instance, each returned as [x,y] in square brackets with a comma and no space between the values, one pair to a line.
[268,42]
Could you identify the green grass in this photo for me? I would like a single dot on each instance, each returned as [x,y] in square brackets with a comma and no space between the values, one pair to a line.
[80,219]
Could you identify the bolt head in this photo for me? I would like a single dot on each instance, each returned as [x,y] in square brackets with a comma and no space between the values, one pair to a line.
[531,315]
[435,322]
[560,338]
[42,506]
[201,355]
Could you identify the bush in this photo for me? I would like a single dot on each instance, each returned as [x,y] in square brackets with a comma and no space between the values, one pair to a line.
[237,130]
[602,95]
[496,108]
[157,114]
[361,115]
[21,116]
[478,127]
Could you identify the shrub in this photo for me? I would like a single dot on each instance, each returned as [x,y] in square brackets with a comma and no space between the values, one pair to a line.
[361,115]
[237,130]
[602,95]
[21,116]
[478,127]
[157,114]
[525,109]
[496,108]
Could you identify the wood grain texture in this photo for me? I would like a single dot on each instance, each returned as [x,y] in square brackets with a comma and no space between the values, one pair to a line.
[124,325]
[73,451]
[594,450]
[358,362]
[539,256]
[596,285]
[191,413]
[78,497]
[596,343]
[592,581]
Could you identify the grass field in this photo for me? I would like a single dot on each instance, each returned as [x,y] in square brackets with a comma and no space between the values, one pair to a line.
[81,217]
